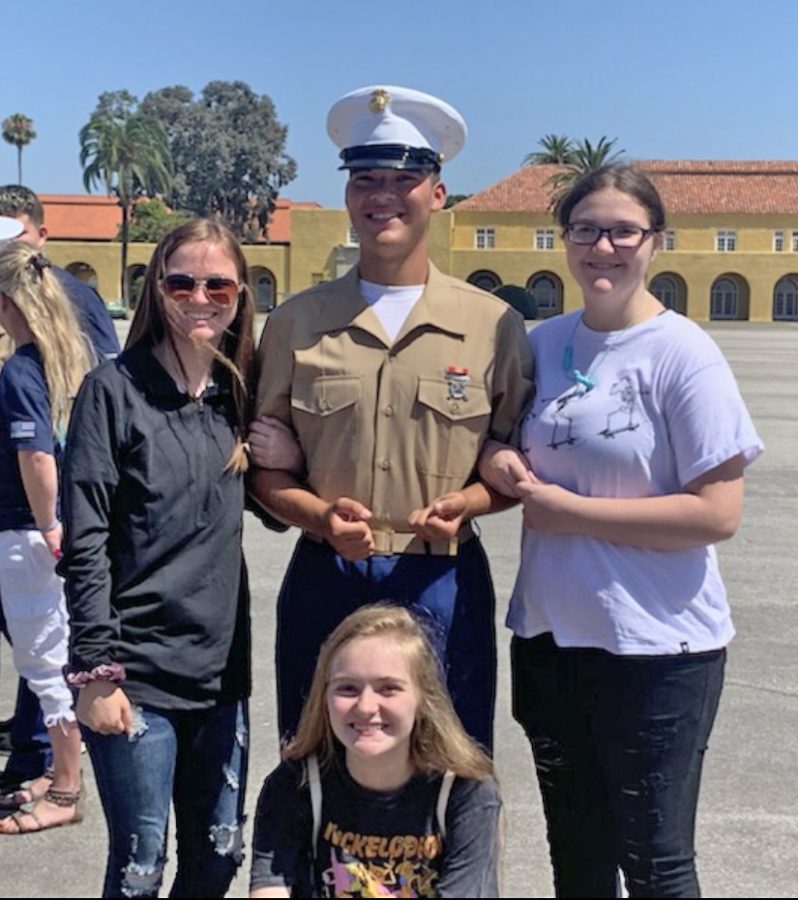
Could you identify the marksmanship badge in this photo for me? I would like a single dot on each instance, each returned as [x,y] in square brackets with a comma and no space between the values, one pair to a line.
[457,379]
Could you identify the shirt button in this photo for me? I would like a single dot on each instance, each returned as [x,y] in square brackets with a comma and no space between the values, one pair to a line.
[385,464]
[455,407]
[388,410]
[324,405]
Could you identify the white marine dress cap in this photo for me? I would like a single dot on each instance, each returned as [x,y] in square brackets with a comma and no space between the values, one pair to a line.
[10,228]
[390,127]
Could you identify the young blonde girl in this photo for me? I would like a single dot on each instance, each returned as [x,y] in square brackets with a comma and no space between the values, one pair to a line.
[37,385]
[381,792]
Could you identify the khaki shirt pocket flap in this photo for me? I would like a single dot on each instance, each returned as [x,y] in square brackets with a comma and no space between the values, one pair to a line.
[468,403]
[325,395]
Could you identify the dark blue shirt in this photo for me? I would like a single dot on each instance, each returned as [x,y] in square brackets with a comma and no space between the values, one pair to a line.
[25,424]
[93,317]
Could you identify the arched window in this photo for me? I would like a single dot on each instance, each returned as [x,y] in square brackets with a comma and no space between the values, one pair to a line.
[485,279]
[725,299]
[83,272]
[135,282]
[546,288]
[664,289]
[264,288]
[671,290]
[785,299]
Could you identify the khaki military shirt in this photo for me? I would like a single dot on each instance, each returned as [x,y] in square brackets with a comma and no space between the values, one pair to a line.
[394,425]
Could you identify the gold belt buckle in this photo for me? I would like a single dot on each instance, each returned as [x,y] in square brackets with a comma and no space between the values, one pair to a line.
[383,541]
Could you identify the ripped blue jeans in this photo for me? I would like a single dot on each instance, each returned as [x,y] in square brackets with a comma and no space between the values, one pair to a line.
[197,760]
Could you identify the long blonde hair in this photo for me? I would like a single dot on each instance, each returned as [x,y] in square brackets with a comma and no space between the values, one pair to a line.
[438,741]
[27,279]
[236,349]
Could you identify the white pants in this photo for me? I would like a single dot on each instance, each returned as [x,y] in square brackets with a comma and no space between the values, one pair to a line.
[35,611]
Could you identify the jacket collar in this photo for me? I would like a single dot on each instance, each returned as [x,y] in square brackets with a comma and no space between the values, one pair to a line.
[142,367]
[438,307]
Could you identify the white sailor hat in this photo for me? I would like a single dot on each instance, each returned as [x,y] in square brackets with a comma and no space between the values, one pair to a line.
[10,228]
[389,127]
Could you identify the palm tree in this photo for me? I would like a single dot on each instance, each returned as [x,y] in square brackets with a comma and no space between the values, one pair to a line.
[18,130]
[585,157]
[130,158]
[557,150]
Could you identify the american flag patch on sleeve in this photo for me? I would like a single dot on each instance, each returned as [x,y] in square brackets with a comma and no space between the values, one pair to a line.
[21,431]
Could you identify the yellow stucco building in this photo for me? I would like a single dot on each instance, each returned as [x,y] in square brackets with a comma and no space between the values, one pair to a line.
[730,252]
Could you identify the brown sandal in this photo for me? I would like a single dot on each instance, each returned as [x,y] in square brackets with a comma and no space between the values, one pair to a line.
[57,797]
[15,799]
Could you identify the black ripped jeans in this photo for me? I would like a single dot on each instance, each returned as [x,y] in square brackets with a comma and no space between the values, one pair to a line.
[619,743]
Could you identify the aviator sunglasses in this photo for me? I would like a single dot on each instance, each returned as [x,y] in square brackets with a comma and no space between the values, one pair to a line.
[219,290]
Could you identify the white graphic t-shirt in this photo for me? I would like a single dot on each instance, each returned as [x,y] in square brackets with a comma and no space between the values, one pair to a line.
[636,413]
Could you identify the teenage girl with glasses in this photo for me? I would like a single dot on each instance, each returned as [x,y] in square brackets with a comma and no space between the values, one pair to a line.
[631,468]
[155,578]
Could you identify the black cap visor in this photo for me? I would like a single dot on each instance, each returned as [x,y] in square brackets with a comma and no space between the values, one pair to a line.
[390,156]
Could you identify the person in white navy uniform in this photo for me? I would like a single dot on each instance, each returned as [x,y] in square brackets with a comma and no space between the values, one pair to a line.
[390,378]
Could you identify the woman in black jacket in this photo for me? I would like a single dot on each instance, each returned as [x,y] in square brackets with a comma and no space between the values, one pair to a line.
[155,577]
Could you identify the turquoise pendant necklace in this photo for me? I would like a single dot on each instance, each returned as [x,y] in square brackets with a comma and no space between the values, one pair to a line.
[587,380]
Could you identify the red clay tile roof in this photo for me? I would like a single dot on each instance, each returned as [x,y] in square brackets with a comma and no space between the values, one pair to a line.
[686,186]
[81,217]
[95,217]
[280,225]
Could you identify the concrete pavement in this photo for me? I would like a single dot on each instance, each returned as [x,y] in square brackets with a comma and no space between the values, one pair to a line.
[748,819]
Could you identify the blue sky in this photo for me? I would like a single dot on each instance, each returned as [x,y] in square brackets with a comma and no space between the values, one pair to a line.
[687,79]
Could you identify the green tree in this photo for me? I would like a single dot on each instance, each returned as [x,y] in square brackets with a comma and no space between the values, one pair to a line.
[228,148]
[519,298]
[557,150]
[18,130]
[150,220]
[128,154]
[451,199]
[585,157]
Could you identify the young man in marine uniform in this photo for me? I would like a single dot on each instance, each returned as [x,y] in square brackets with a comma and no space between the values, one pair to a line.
[391,378]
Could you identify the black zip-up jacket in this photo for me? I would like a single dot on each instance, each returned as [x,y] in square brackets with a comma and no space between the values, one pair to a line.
[155,576]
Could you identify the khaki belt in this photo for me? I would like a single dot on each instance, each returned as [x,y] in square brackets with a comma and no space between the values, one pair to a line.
[389,542]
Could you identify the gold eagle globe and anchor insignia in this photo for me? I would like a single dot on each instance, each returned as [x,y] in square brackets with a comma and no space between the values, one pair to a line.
[379,100]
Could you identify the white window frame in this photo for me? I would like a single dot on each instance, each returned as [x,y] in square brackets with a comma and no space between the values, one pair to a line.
[544,239]
[794,241]
[485,238]
[778,240]
[669,240]
[352,237]
[726,240]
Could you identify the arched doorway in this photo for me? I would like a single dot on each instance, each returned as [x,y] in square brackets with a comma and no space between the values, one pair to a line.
[83,272]
[729,298]
[546,288]
[671,290]
[785,299]
[264,288]
[135,282]
[485,279]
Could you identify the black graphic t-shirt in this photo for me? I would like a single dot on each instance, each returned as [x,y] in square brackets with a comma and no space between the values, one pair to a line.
[373,843]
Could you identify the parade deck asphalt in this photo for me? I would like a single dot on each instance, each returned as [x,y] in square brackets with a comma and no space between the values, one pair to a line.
[748,817]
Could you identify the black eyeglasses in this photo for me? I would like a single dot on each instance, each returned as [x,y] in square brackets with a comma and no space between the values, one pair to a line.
[622,237]
[219,290]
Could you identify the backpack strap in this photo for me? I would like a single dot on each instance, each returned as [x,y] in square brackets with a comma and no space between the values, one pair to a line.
[314,782]
[443,801]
